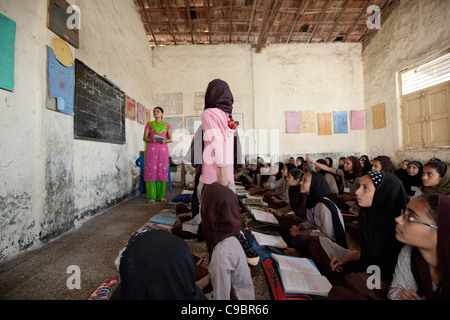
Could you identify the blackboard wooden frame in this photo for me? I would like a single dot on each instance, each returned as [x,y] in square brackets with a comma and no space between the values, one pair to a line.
[99,107]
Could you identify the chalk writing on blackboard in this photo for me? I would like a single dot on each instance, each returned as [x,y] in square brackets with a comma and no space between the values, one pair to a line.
[99,111]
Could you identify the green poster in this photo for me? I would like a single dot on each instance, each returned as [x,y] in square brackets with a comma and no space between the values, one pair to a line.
[7,46]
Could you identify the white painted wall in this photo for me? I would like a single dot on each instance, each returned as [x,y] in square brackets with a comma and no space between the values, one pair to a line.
[416,31]
[322,78]
[50,182]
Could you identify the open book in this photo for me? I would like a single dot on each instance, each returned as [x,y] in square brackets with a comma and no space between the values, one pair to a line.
[300,275]
[263,216]
[269,240]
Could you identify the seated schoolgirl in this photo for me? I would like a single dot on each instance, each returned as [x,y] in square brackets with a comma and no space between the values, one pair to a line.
[423,265]
[329,162]
[382,198]
[412,181]
[330,178]
[299,162]
[157,265]
[383,163]
[295,212]
[267,177]
[365,164]
[350,177]
[401,172]
[324,219]
[228,268]
[281,198]
[435,179]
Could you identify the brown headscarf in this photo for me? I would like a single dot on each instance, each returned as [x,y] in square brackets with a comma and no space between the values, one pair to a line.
[220,214]
[357,169]
[386,164]
[420,267]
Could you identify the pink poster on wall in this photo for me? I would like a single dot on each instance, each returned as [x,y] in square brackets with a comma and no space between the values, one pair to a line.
[141,113]
[293,122]
[357,122]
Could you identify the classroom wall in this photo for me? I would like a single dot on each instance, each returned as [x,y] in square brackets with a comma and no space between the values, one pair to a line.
[316,77]
[416,31]
[49,182]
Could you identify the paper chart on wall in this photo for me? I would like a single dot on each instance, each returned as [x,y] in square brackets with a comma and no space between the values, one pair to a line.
[141,113]
[62,83]
[357,120]
[324,120]
[172,103]
[379,116]
[7,52]
[130,111]
[308,122]
[340,122]
[293,121]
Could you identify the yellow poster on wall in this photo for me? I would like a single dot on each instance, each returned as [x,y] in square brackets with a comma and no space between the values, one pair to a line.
[379,116]
[308,122]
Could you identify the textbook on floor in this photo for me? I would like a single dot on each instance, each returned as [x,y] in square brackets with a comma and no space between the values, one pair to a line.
[300,275]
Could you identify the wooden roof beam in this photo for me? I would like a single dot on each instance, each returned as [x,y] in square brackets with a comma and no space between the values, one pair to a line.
[252,18]
[166,3]
[352,28]
[188,13]
[338,19]
[231,20]
[148,21]
[270,12]
[209,22]
[300,10]
[327,5]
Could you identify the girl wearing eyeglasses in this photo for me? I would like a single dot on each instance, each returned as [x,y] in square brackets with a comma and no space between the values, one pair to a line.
[423,264]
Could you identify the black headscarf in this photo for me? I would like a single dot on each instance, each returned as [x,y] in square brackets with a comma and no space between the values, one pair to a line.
[377,224]
[410,181]
[157,265]
[319,189]
[280,167]
[367,165]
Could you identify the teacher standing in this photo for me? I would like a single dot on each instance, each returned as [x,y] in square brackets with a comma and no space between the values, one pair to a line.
[156,171]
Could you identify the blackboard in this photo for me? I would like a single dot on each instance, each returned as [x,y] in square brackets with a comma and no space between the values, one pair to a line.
[99,107]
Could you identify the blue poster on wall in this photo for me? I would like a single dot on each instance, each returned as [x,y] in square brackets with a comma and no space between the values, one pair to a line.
[62,83]
[340,122]
[7,52]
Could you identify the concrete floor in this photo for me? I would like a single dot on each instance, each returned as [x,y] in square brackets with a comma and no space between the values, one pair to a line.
[41,274]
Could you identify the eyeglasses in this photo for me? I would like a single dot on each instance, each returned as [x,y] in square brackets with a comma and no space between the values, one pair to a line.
[407,217]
